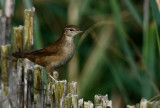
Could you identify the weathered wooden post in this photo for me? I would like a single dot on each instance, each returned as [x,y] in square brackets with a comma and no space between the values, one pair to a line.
[107,104]
[102,101]
[128,106]
[16,70]
[8,13]
[30,88]
[2,28]
[98,101]
[4,49]
[20,79]
[17,44]
[71,100]
[88,104]
[50,99]
[38,87]
[72,88]
[80,103]
[145,104]
[60,93]
[28,46]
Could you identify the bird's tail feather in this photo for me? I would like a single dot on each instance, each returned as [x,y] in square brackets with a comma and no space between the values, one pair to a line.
[19,55]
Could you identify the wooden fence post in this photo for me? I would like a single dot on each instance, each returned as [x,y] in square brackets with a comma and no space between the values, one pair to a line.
[80,103]
[71,101]
[30,88]
[17,44]
[15,77]
[8,13]
[4,49]
[20,79]
[102,101]
[72,88]
[88,104]
[38,87]
[2,28]
[4,67]
[28,46]
[29,29]
[60,93]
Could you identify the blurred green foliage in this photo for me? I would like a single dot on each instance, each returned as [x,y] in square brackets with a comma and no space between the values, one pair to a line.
[117,55]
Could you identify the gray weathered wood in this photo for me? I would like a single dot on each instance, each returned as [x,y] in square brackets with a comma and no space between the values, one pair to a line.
[38,87]
[72,88]
[131,106]
[20,80]
[60,93]
[4,67]
[98,100]
[71,101]
[55,75]
[29,29]
[18,39]
[8,13]
[13,76]
[17,45]
[80,103]
[145,104]
[28,44]
[30,89]
[17,69]
[88,104]
[107,104]
[4,49]
[2,29]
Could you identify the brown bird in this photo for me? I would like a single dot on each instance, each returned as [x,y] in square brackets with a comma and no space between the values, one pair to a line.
[57,54]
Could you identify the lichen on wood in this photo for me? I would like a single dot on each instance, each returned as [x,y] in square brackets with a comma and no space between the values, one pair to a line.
[4,49]
[18,39]
[55,75]
[28,29]
[2,30]
[88,104]
[72,88]
[20,75]
[98,100]
[38,87]
[8,14]
[60,93]
[80,103]
[28,46]
[71,101]
[17,44]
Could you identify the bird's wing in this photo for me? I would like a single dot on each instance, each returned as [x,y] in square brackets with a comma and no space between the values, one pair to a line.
[50,50]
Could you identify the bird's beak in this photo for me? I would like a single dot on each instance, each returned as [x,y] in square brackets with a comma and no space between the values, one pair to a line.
[80,31]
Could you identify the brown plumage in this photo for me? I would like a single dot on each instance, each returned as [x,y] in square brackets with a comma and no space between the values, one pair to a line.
[57,54]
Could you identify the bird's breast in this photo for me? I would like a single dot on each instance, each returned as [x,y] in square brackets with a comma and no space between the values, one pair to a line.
[69,50]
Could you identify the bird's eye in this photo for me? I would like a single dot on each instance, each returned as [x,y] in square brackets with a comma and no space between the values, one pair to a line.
[70,29]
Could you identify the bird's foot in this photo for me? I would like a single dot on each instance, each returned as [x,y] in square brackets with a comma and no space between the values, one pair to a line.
[51,77]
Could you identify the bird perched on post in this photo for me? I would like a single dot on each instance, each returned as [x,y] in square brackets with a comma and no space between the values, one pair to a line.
[57,54]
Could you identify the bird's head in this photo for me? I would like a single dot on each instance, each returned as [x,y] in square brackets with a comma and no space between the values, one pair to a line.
[71,31]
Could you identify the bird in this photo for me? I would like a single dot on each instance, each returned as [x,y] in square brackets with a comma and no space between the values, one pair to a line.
[57,54]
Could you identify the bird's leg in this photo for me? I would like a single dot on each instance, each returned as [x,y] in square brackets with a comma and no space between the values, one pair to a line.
[49,74]
[53,75]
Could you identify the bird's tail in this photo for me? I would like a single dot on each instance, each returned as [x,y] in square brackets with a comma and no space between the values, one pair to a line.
[19,55]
